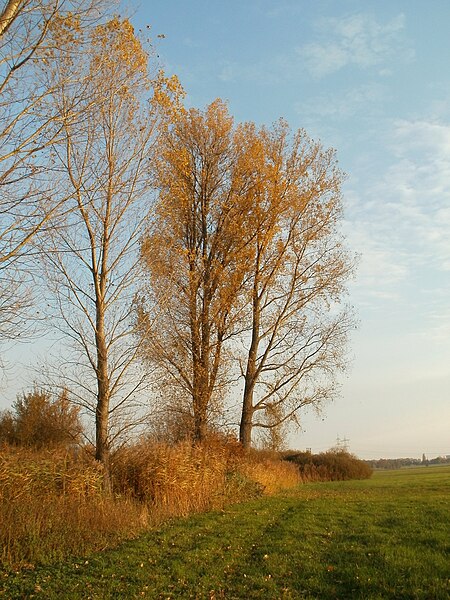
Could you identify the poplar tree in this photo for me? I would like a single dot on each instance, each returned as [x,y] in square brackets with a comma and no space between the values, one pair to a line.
[111,109]
[247,269]
[296,279]
[195,259]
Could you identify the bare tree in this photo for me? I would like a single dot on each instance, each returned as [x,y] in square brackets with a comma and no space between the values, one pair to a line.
[27,127]
[296,279]
[104,155]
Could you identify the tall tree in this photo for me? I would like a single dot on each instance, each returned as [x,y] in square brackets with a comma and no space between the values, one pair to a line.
[27,128]
[246,241]
[195,256]
[110,110]
[296,278]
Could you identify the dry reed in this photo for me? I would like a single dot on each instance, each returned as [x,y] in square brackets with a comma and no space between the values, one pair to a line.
[52,505]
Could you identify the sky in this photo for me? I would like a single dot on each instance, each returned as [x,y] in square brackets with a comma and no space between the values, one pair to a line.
[371,79]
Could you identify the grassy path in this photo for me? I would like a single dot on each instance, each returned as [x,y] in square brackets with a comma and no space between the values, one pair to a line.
[388,537]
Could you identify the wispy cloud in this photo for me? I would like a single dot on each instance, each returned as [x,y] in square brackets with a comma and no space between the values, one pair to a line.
[279,68]
[284,8]
[341,105]
[380,273]
[356,40]
[433,137]
[401,225]
[421,178]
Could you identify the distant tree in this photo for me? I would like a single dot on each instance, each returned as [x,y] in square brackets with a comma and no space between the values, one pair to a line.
[393,463]
[41,420]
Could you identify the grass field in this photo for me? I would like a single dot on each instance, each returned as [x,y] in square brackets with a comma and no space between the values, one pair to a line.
[387,537]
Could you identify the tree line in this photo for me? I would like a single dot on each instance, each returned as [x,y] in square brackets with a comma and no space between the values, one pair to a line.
[184,258]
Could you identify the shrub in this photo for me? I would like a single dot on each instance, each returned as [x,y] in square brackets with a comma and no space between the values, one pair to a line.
[172,480]
[39,420]
[270,470]
[334,465]
[185,477]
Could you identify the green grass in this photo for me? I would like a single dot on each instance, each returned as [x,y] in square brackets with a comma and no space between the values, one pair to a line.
[387,537]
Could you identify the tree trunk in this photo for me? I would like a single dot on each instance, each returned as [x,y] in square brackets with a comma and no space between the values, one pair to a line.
[246,425]
[200,404]
[103,392]
[8,14]
[101,433]
[200,426]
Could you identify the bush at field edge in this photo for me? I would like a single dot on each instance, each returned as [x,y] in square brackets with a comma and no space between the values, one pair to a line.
[333,465]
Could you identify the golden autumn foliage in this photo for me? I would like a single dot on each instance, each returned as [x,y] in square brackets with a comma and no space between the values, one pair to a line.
[41,420]
[296,277]
[246,265]
[195,255]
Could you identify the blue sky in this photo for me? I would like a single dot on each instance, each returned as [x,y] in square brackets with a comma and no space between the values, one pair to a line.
[371,79]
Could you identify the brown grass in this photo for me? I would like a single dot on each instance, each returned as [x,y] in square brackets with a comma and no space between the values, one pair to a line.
[52,505]
[273,474]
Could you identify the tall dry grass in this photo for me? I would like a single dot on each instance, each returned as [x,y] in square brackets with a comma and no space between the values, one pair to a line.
[185,478]
[52,505]
[272,473]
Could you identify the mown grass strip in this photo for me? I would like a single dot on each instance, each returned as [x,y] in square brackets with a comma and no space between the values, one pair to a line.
[383,538]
